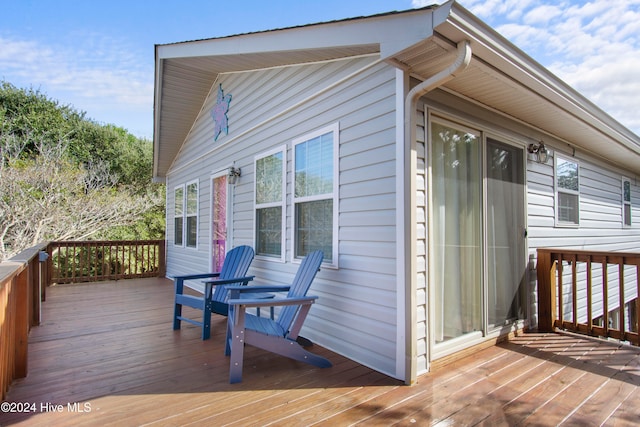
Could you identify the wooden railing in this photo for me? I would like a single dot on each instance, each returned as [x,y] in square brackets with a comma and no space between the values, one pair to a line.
[24,278]
[94,261]
[593,293]
[20,287]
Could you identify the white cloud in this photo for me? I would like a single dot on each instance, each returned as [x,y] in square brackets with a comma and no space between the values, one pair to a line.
[420,3]
[99,76]
[593,46]
[542,14]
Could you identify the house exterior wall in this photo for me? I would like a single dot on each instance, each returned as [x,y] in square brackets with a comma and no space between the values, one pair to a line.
[355,314]
[600,227]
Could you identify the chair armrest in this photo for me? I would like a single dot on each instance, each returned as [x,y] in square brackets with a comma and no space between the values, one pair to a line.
[179,280]
[275,302]
[232,280]
[196,276]
[258,288]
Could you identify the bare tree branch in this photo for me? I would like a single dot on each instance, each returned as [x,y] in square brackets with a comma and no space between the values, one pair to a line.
[52,198]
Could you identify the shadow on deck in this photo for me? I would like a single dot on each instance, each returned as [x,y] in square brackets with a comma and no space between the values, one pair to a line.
[105,354]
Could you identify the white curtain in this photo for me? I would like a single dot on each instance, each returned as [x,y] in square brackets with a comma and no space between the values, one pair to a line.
[457,231]
[505,233]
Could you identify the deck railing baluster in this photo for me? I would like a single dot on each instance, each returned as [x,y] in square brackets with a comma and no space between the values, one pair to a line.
[95,261]
[551,291]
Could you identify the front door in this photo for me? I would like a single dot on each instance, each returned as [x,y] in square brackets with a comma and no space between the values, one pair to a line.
[219,190]
[477,233]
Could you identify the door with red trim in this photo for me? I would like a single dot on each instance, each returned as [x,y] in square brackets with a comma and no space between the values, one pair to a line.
[220,189]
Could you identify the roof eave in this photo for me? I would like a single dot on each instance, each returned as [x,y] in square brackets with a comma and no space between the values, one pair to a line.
[386,33]
[498,53]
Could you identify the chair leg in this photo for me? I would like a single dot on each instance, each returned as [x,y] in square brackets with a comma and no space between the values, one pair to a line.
[206,321]
[285,347]
[177,309]
[177,312]
[237,331]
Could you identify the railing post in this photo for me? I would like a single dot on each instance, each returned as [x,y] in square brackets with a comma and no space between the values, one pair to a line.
[546,273]
[21,338]
[162,262]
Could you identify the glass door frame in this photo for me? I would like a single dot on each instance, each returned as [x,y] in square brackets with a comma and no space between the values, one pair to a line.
[439,350]
[228,214]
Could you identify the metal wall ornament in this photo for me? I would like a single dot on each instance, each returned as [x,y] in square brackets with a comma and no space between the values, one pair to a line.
[219,114]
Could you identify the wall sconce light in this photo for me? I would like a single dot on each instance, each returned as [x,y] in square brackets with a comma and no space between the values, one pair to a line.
[540,151]
[234,174]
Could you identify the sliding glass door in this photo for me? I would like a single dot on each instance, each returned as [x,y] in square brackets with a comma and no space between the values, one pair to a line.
[457,231]
[505,233]
[477,233]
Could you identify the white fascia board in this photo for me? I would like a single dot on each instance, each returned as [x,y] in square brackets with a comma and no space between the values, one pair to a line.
[499,53]
[393,32]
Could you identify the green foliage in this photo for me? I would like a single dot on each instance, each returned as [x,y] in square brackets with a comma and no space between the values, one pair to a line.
[30,114]
[108,161]
[31,117]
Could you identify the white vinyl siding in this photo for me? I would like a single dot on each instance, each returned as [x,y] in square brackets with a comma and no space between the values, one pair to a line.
[600,229]
[422,362]
[355,314]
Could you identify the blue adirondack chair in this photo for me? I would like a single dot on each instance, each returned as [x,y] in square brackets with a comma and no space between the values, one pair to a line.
[279,336]
[233,272]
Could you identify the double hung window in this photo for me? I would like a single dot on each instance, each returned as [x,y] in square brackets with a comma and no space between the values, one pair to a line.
[185,215]
[626,202]
[269,199]
[314,193]
[567,192]
[178,215]
[191,215]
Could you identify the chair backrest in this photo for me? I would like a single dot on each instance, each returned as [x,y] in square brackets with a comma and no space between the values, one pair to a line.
[309,266]
[236,264]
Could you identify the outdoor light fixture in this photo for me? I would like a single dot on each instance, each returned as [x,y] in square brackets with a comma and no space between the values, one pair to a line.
[542,155]
[234,174]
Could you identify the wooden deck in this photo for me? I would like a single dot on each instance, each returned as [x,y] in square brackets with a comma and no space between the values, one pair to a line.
[105,354]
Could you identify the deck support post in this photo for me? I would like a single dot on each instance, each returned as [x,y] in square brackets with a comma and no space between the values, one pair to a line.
[546,273]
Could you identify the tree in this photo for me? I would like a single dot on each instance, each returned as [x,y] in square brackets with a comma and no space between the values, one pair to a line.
[64,177]
[49,197]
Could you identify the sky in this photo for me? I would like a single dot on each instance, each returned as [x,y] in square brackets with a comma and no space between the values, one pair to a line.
[98,55]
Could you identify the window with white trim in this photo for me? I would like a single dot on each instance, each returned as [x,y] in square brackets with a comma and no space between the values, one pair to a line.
[567,176]
[178,215]
[270,188]
[191,214]
[315,193]
[626,202]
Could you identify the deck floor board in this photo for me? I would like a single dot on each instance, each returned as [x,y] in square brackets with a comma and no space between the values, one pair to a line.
[110,346]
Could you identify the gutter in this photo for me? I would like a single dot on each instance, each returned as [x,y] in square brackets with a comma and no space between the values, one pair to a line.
[410,159]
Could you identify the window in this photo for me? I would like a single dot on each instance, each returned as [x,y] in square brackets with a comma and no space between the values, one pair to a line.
[178,218]
[269,197]
[192,215]
[626,202]
[567,192]
[315,191]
